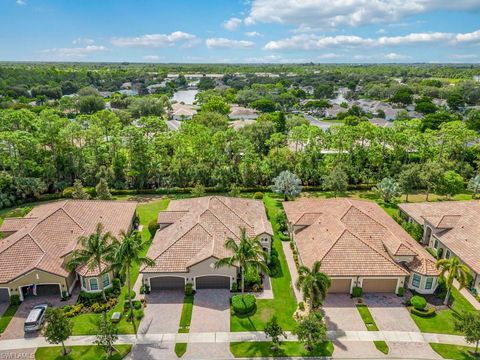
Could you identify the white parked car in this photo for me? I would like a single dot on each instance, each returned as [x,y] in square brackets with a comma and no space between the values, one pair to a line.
[35,318]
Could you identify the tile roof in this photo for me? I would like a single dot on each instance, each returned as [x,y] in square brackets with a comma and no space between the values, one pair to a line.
[51,231]
[353,238]
[459,222]
[199,228]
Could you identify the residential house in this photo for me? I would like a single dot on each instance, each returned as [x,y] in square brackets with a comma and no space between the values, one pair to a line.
[191,238]
[359,245]
[36,249]
[451,228]
[332,112]
[242,113]
[182,111]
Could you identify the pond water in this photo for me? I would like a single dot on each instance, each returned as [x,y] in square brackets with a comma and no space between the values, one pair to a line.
[185,96]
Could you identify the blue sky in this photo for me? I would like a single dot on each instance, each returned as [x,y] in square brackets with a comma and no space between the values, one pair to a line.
[233,31]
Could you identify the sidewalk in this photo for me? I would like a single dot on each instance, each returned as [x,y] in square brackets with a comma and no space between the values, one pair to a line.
[467,295]
[254,336]
[293,269]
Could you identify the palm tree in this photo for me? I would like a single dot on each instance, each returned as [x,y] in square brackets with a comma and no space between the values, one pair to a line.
[313,283]
[247,253]
[94,251]
[127,252]
[452,269]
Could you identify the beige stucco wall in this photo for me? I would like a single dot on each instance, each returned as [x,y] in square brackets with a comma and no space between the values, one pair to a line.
[37,277]
[99,279]
[423,280]
[204,268]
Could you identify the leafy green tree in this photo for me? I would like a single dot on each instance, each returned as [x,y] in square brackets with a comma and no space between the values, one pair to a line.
[324,91]
[107,334]
[450,184]
[388,189]
[216,105]
[90,104]
[403,95]
[474,185]
[264,105]
[311,331]
[198,190]
[473,120]
[125,253]
[79,192]
[103,192]
[149,106]
[455,101]
[313,284]
[451,269]
[336,180]
[247,253]
[469,325]
[281,123]
[58,329]
[431,175]
[274,331]
[95,252]
[410,179]
[213,120]
[425,105]
[287,184]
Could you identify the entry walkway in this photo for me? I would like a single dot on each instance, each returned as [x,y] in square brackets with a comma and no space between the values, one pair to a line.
[293,269]
[226,337]
[467,295]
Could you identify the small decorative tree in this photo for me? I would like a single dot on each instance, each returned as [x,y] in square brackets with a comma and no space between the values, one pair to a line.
[103,192]
[107,334]
[336,180]
[469,325]
[234,190]
[274,331]
[388,189]
[58,328]
[451,269]
[288,184]
[198,190]
[451,184]
[311,330]
[474,185]
[79,192]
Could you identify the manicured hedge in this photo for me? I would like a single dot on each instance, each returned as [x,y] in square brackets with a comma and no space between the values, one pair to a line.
[357,292]
[423,313]
[418,302]
[243,304]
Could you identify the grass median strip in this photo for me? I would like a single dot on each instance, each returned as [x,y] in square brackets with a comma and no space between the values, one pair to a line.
[286,349]
[454,352]
[89,352]
[7,316]
[369,322]
[185,320]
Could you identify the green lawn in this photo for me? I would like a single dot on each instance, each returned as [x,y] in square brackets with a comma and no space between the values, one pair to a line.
[367,317]
[180,349]
[454,352]
[284,304]
[186,317]
[287,349]
[381,346]
[443,322]
[7,316]
[85,324]
[80,353]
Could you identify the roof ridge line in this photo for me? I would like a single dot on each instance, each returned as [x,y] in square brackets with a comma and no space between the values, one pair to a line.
[232,210]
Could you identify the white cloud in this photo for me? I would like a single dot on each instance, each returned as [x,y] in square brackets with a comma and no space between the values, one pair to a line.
[395,56]
[232,23]
[228,43]
[77,52]
[316,42]
[381,31]
[154,40]
[328,56]
[151,57]
[311,15]
[83,41]
[253,33]
[21,2]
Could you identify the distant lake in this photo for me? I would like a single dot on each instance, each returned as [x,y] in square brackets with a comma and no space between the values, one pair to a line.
[185,96]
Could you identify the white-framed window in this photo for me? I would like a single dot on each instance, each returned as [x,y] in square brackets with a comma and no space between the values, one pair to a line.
[84,282]
[416,280]
[93,283]
[105,280]
[429,283]
[448,254]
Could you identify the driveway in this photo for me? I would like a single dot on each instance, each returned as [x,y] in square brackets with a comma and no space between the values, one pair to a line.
[341,314]
[163,311]
[211,312]
[389,312]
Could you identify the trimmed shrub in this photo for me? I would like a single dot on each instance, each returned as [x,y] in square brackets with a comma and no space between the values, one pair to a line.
[252,277]
[234,287]
[301,306]
[258,195]
[15,300]
[401,291]
[189,289]
[243,304]
[73,310]
[357,292]
[132,295]
[423,313]
[137,305]
[418,302]
[139,314]
[152,227]
[116,284]
[281,219]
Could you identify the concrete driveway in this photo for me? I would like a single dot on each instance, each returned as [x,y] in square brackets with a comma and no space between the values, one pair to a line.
[163,311]
[341,314]
[389,312]
[211,312]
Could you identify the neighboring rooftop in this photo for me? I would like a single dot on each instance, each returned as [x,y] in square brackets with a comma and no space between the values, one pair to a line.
[51,231]
[354,238]
[459,221]
[198,228]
